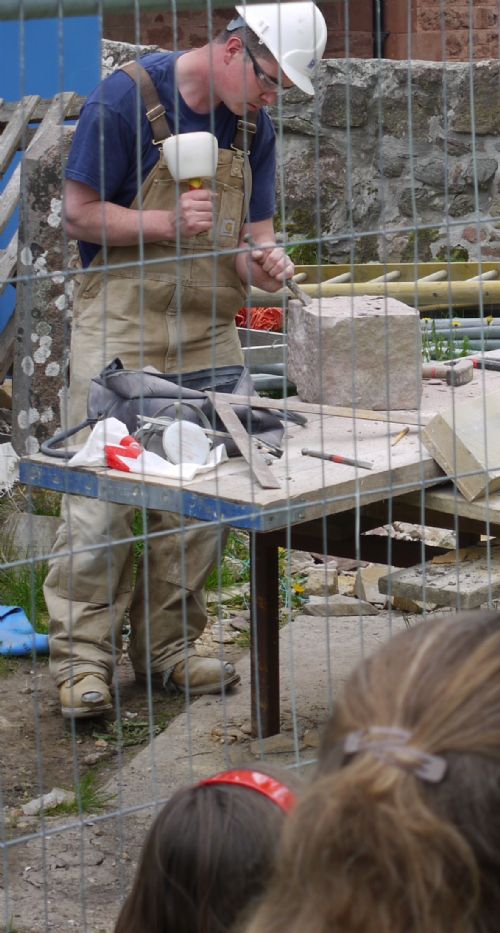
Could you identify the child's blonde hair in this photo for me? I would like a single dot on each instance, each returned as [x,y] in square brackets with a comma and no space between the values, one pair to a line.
[400,830]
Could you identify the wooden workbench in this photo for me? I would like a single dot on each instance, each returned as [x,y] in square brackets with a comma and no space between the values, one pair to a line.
[320,506]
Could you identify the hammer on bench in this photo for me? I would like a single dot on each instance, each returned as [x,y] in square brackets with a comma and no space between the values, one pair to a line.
[455,372]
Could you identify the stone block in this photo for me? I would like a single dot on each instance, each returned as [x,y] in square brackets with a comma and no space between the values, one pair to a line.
[26,535]
[363,352]
[465,441]
[321,581]
[463,579]
[366,584]
[337,605]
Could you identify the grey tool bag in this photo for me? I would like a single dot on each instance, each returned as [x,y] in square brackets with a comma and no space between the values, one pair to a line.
[132,395]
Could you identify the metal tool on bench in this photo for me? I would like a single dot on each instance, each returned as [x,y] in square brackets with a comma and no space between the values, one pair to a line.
[259,468]
[146,424]
[290,283]
[455,372]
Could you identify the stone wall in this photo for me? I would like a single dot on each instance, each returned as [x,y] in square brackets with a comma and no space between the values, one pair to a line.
[395,162]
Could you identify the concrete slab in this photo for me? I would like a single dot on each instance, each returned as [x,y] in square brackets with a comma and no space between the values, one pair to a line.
[463,579]
[316,656]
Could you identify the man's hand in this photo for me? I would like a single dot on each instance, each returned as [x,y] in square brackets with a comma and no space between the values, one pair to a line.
[265,264]
[195,211]
[273,266]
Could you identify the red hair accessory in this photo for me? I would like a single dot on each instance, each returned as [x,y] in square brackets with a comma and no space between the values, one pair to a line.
[255,780]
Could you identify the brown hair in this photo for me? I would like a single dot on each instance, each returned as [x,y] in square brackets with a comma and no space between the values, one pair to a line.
[371,846]
[207,857]
[249,38]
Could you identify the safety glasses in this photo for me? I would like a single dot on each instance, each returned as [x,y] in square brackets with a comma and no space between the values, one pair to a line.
[267,82]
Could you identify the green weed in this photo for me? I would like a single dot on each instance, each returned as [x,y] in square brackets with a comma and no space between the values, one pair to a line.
[88,798]
[443,345]
[130,732]
[23,586]
[235,566]
[8,666]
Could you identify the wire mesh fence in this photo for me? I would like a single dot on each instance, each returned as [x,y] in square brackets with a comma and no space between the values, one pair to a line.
[205,590]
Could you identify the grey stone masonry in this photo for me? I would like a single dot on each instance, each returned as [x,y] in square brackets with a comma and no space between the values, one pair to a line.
[44,294]
[364,352]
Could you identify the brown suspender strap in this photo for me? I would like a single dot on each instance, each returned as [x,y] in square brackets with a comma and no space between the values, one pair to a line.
[155,111]
[244,135]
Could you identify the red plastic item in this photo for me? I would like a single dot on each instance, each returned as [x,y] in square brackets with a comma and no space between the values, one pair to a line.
[260,318]
[131,444]
[255,780]
[127,449]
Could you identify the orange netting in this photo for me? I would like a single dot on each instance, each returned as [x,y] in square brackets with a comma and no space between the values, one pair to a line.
[260,318]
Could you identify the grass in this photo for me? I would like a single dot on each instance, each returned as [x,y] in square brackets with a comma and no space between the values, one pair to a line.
[235,565]
[8,666]
[131,732]
[88,798]
[23,586]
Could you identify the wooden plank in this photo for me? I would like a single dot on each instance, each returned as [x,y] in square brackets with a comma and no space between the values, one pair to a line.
[12,135]
[7,109]
[462,579]
[7,338]
[10,198]
[58,108]
[57,111]
[335,411]
[8,262]
[258,466]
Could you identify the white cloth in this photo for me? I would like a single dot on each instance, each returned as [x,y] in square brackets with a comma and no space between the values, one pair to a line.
[110,431]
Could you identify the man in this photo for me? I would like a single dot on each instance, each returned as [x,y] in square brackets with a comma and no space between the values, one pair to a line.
[166,270]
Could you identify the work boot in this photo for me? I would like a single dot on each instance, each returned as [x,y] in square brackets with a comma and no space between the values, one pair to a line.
[204,675]
[84,696]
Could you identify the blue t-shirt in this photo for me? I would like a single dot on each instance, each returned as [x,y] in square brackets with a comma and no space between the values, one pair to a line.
[106,157]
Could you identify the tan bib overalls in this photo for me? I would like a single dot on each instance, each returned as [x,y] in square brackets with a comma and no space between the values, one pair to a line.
[175,311]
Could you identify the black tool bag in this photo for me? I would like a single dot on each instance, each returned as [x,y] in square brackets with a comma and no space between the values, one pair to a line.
[126,394]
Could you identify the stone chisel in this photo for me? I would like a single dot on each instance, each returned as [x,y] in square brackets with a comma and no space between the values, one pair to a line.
[290,284]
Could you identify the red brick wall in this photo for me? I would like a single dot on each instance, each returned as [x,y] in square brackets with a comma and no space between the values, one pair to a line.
[437,29]
[156,28]
[441,29]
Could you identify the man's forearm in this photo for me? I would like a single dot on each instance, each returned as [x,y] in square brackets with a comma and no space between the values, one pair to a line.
[103,222]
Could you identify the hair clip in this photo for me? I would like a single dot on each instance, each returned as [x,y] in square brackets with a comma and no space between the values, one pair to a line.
[430,768]
[279,793]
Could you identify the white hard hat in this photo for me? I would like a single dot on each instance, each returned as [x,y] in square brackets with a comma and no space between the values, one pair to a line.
[295,33]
